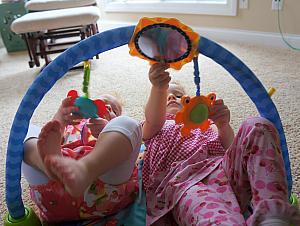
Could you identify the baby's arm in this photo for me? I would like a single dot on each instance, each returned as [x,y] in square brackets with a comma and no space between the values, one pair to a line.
[96,125]
[155,110]
[220,114]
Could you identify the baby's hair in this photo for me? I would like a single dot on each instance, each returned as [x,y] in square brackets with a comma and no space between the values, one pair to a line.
[178,84]
[118,97]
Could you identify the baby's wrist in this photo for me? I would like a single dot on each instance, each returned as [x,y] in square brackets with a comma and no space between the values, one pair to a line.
[224,127]
[159,88]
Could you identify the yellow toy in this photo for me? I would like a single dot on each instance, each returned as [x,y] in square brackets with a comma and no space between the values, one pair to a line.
[194,113]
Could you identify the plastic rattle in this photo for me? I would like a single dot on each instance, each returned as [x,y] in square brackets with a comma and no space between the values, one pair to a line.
[194,113]
[87,108]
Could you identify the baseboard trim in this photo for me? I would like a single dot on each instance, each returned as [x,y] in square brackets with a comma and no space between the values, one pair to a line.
[218,34]
[250,37]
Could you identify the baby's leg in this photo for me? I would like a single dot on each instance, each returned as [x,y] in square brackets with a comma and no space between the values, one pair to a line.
[255,167]
[209,202]
[47,143]
[113,157]
[32,156]
[38,144]
[132,130]
[49,140]
[32,166]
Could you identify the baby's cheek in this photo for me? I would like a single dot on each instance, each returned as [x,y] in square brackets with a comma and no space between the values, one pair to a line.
[112,115]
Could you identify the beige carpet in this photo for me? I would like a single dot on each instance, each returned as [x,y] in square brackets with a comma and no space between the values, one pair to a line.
[117,72]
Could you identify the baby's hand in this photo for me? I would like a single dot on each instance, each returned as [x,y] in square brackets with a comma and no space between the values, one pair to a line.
[96,125]
[220,114]
[158,75]
[65,113]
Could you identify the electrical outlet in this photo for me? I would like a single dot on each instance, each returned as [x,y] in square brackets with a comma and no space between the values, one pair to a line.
[243,4]
[277,4]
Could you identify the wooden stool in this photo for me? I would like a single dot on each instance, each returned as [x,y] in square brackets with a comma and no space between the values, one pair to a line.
[39,29]
[43,5]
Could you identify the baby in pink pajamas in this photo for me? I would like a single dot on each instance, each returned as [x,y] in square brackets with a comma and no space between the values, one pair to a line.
[211,177]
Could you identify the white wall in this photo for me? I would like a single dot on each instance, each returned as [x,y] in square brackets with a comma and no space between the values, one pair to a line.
[257,24]
[258,17]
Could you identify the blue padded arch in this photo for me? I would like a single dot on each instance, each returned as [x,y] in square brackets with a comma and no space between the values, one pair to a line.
[90,47]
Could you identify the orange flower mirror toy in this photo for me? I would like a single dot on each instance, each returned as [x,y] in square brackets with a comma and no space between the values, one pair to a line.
[164,40]
[170,41]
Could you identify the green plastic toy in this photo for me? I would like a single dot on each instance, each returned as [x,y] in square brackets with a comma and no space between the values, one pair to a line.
[30,219]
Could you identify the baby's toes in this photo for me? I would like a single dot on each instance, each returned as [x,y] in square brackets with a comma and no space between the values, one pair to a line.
[54,163]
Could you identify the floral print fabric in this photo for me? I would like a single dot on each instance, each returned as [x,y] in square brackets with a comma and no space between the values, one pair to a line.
[99,200]
[219,190]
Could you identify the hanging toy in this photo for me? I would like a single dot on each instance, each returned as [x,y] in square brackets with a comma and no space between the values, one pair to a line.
[87,108]
[194,113]
[165,40]
[170,41]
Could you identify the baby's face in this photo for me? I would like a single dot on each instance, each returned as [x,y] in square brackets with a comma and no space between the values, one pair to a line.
[175,92]
[113,106]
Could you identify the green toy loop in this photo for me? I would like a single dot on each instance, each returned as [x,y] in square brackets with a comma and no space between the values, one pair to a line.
[86,78]
[294,201]
[29,219]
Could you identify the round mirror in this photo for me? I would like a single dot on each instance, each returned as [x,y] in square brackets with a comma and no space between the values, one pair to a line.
[163,43]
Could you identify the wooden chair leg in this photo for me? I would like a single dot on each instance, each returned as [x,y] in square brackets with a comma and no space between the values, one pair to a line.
[32,43]
[43,50]
[39,43]
[88,31]
[30,62]
[95,28]
[82,34]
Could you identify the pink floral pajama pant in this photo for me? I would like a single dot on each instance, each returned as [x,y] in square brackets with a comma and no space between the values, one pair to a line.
[252,171]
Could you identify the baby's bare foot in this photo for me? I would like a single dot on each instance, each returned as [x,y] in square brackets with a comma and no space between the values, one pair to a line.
[70,172]
[49,142]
